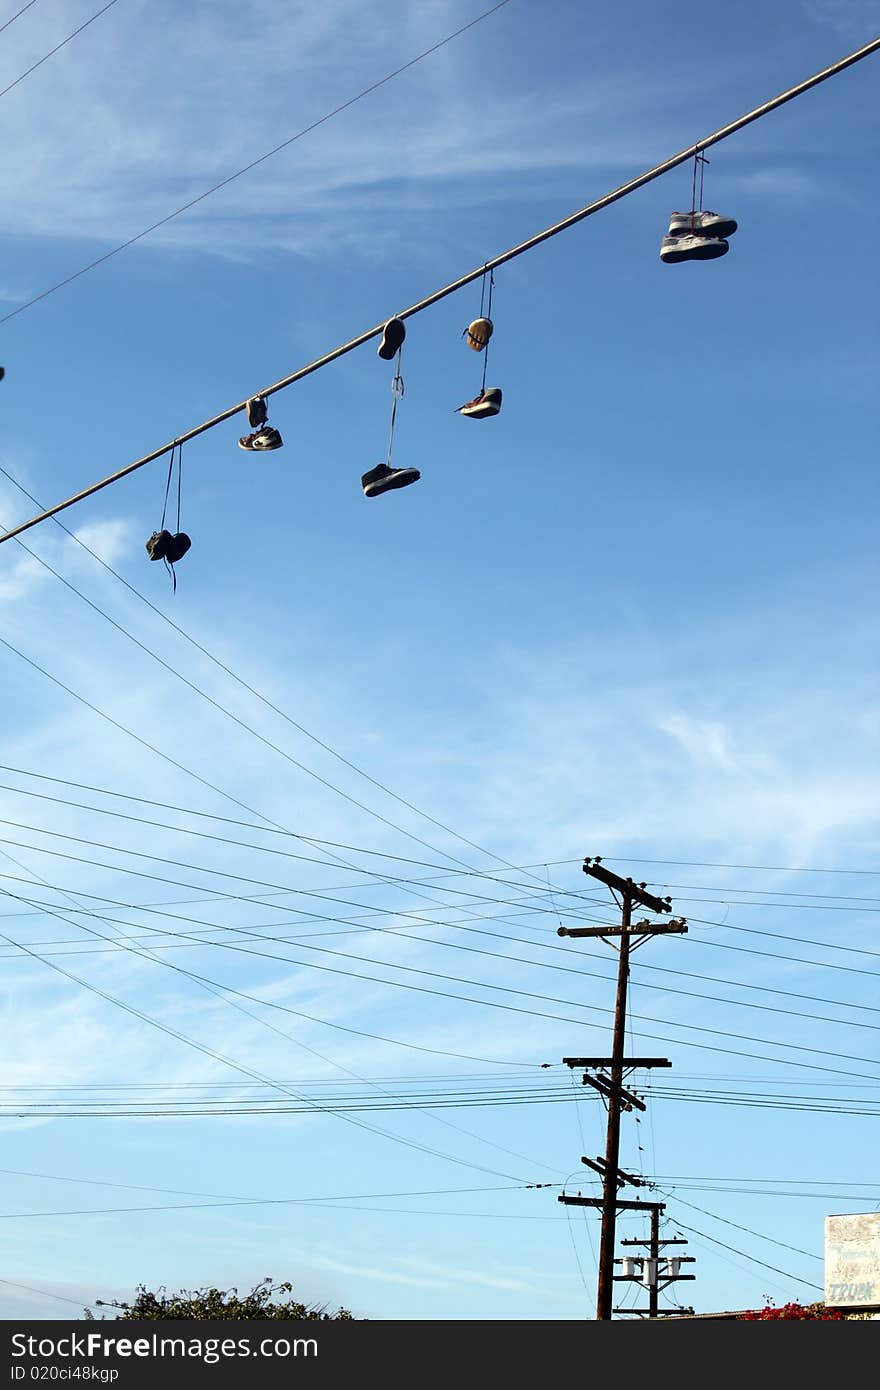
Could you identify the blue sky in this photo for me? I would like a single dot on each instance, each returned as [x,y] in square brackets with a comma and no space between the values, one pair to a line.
[634,615]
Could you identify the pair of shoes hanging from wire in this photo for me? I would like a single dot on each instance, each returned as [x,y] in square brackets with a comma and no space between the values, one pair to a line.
[167,545]
[477,335]
[385,477]
[697,235]
[264,435]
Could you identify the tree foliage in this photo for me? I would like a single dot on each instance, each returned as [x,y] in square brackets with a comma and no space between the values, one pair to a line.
[212,1304]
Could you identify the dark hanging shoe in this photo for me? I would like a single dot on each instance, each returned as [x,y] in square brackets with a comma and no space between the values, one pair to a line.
[487,403]
[157,545]
[267,437]
[176,547]
[257,412]
[393,335]
[383,479]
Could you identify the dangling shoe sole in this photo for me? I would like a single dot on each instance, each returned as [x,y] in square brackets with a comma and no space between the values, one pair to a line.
[481,407]
[393,335]
[674,249]
[478,333]
[265,438]
[384,479]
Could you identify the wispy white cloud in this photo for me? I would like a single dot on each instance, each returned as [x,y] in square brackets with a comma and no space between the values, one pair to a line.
[858,19]
[196,96]
[110,540]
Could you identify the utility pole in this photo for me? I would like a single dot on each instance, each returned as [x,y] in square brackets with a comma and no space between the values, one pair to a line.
[652,1276]
[610,1083]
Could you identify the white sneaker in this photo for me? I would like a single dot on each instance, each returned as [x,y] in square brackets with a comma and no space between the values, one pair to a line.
[692,248]
[702,223]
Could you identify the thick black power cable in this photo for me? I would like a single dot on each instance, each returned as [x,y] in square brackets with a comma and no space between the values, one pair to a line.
[484,268]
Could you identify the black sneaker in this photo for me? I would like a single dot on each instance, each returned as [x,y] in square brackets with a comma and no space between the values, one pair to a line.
[257,412]
[176,547]
[157,545]
[265,438]
[393,335]
[383,479]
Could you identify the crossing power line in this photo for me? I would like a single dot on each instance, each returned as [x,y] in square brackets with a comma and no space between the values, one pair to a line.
[246,169]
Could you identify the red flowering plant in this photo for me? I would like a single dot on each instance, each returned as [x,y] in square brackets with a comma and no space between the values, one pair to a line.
[803,1312]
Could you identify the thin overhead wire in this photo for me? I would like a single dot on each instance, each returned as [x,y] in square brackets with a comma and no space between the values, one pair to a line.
[420,918]
[198,939]
[44,1293]
[52,51]
[310,963]
[248,728]
[486,266]
[269,704]
[520,868]
[798,1278]
[174,762]
[230,178]
[237,1066]
[6,26]
[714,864]
[217,991]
